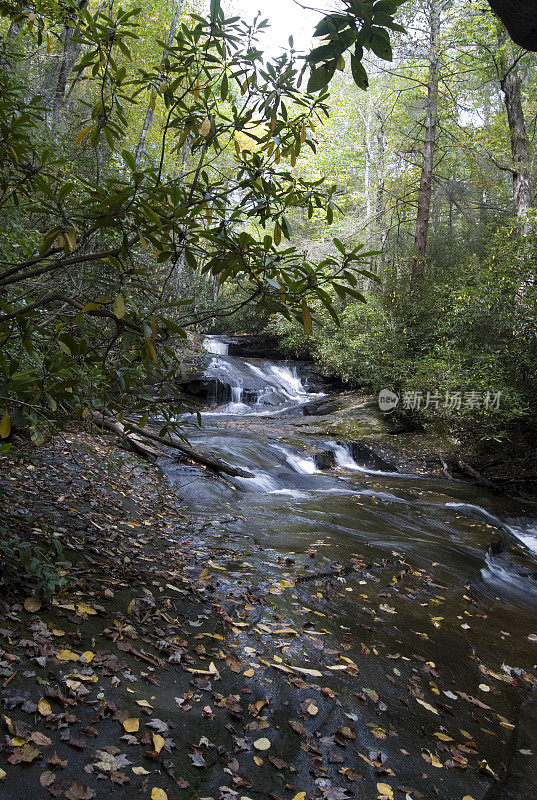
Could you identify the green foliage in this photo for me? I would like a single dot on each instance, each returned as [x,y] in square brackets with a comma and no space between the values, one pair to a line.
[36,558]
[360,26]
[471,329]
[92,306]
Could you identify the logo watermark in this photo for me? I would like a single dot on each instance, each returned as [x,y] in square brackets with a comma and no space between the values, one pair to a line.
[449,401]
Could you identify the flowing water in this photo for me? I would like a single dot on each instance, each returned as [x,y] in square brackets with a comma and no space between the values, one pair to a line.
[469,600]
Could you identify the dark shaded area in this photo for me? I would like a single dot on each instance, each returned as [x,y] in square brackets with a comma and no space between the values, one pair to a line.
[520,19]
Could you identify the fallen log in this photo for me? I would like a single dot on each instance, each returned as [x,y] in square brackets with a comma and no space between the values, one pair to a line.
[480,479]
[445,468]
[170,440]
[113,425]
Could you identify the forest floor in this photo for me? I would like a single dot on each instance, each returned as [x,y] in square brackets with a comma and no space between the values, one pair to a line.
[162,670]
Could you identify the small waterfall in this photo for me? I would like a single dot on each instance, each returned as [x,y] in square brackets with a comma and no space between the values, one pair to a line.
[236,394]
[212,344]
[303,464]
[342,454]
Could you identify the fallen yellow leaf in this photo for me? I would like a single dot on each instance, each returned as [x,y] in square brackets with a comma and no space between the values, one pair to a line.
[300,796]
[88,656]
[2,774]
[131,725]
[385,791]
[158,794]
[83,608]
[140,771]
[158,742]
[67,655]
[428,706]
[262,744]
[44,707]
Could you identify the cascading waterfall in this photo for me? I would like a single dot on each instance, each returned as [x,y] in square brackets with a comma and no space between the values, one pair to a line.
[289,494]
[256,388]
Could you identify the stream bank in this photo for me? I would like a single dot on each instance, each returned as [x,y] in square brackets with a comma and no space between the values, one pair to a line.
[340,632]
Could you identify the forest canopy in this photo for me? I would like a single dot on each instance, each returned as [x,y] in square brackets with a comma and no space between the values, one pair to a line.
[160,177]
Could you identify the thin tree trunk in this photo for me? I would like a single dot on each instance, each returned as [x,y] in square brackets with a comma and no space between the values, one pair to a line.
[151,108]
[511,85]
[429,143]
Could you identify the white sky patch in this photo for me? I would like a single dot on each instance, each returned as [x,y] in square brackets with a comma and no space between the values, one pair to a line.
[286,18]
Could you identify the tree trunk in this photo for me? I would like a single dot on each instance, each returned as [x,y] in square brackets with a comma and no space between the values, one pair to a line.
[151,108]
[429,143]
[511,85]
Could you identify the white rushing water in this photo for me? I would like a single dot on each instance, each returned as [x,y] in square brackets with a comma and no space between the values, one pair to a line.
[212,344]
[303,464]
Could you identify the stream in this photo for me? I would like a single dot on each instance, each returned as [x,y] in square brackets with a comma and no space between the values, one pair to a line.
[378,560]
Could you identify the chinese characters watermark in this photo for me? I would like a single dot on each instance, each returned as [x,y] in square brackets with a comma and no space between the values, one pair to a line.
[449,401]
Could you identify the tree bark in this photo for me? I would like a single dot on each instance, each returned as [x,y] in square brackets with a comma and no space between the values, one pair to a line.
[429,144]
[151,108]
[511,84]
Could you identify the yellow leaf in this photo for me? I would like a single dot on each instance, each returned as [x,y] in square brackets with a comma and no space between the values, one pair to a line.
[70,238]
[158,742]
[262,744]
[443,737]
[144,704]
[5,426]
[385,791]
[205,127]
[313,672]
[44,707]
[2,774]
[67,655]
[300,796]
[152,351]
[259,761]
[131,725]
[428,706]
[82,135]
[158,794]
[119,306]
[90,307]
[87,656]
[249,673]
[306,317]
[83,608]
[140,771]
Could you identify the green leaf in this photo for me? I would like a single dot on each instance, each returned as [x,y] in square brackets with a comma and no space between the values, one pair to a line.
[321,76]
[119,306]
[358,72]
[224,87]
[340,246]
[128,158]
